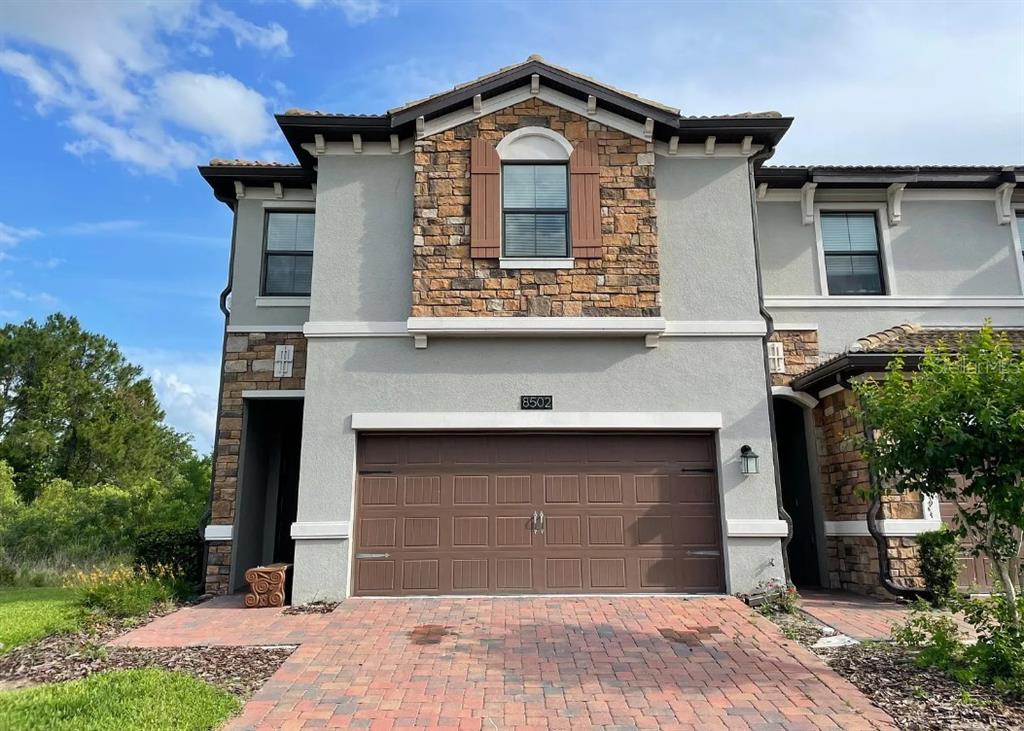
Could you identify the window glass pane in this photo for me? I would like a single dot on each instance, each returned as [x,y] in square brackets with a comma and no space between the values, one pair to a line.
[1020,228]
[534,186]
[853,274]
[535,234]
[288,274]
[290,231]
[843,232]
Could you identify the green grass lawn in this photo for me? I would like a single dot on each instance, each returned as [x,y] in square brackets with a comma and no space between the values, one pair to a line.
[28,614]
[146,700]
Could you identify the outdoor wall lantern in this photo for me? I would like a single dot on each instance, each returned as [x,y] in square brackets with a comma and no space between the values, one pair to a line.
[748,460]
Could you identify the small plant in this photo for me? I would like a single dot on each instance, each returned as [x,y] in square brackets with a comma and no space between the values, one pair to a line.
[128,592]
[779,597]
[180,549]
[935,637]
[940,563]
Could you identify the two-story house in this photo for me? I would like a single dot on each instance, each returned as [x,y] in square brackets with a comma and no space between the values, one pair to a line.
[538,334]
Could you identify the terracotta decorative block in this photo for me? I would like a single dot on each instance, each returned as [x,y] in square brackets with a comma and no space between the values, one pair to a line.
[268,585]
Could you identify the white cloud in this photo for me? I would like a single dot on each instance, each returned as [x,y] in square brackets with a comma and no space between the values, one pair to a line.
[356,12]
[271,38]
[219,107]
[187,386]
[13,235]
[44,299]
[111,66]
[90,228]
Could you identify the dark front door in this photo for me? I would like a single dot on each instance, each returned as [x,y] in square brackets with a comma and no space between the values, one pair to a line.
[529,513]
[795,475]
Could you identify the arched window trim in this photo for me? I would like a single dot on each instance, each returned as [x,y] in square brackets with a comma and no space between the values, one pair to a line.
[509,150]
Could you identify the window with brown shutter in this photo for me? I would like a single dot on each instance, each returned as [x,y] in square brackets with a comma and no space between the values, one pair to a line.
[585,200]
[484,200]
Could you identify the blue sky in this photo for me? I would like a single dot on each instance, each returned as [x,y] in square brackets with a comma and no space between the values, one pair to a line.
[108,106]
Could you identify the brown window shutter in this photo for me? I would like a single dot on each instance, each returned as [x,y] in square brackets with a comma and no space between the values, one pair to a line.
[484,200]
[585,200]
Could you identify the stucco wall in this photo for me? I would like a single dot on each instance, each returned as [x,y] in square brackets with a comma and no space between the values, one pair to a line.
[453,375]
[362,258]
[248,270]
[953,248]
[789,260]
[705,237]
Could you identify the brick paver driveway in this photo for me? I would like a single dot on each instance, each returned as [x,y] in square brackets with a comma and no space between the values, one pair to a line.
[537,663]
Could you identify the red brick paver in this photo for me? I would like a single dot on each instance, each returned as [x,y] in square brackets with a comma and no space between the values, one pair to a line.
[854,615]
[539,663]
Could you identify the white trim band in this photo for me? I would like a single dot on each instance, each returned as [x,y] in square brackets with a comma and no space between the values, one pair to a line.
[264,328]
[355,329]
[707,328]
[517,420]
[266,393]
[274,301]
[795,326]
[503,326]
[894,302]
[894,528]
[218,532]
[564,263]
[756,528]
[319,530]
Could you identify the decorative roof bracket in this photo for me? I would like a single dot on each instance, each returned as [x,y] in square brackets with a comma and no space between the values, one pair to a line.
[894,195]
[807,202]
[1004,209]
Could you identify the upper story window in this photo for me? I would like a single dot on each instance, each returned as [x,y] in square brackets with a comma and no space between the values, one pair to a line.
[288,253]
[853,259]
[535,210]
[1020,229]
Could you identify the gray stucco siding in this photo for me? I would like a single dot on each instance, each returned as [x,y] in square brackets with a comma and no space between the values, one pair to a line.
[705,239]
[953,248]
[362,261]
[839,327]
[248,272]
[789,258]
[347,376]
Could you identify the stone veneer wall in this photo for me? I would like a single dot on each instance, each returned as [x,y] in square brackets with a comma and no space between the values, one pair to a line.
[800,348]
[446,282]
[248,366]
[853,560]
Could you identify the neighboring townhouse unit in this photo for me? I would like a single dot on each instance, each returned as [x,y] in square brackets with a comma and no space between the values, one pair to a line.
[537,334]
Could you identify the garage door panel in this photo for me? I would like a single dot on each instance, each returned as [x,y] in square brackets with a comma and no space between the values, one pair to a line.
[513,531]
[471,490]
[377,532]
[514,490]
[561,489]
[378,490]
[421,532]
[514,573]
[470,531]
[423,490]
[563,531]
[652,489]
[454,514]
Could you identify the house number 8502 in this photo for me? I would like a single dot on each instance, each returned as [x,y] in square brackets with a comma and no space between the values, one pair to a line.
[531,403]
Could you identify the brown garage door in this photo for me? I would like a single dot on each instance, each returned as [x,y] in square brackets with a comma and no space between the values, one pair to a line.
[521,513]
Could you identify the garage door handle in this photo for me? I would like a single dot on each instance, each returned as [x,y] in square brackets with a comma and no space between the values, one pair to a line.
[373,555]
[703,553]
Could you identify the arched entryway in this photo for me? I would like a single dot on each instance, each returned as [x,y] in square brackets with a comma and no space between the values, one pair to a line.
[805,551]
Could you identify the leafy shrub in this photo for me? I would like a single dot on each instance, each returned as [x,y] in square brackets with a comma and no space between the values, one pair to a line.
[940,564]
[128,592]
[180,549]
[8,574]
[779,597]
[997,658]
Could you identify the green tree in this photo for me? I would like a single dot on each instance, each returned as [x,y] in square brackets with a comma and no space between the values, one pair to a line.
[73,408]
[960,415]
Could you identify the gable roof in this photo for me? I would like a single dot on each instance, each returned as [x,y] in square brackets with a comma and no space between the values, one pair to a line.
[299,126]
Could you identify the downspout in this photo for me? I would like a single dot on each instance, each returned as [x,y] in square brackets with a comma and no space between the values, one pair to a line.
[223,303]
[884,569]
[752,162]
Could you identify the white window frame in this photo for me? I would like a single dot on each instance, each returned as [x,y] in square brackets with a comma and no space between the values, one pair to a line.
[881,211]
[1017,242]
[776,357]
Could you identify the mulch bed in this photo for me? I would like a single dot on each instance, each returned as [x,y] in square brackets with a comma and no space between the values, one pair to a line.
[922,699]
[238,670]
[918,699]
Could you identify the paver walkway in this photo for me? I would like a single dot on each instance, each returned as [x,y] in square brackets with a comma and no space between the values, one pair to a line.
[535,663]
[854,615]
